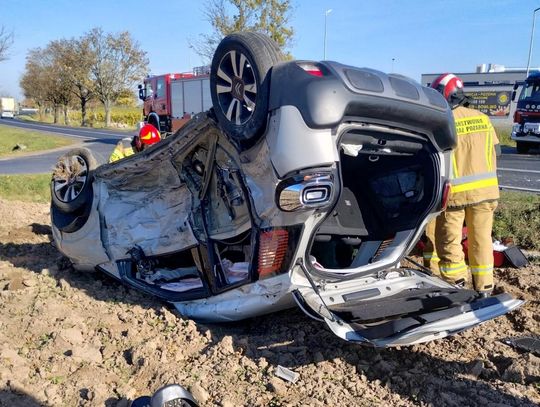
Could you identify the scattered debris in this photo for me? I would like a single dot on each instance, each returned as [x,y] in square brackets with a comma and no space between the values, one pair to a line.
[528,343]
[287,374]
[19,147]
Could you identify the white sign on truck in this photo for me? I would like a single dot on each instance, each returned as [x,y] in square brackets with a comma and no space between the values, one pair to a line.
[7,108]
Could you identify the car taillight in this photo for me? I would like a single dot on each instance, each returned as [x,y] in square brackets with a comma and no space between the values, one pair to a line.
[311,68]
[445,195]
[272,250]
[517,117]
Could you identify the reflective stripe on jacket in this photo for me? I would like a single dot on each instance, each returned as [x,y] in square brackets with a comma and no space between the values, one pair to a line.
[474,165]
[122,150]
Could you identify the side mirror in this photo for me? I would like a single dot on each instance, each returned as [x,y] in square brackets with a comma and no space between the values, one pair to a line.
[516,85]
[513,95]
[142,93]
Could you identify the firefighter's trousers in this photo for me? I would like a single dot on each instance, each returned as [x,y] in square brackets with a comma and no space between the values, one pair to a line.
[431,260]
[479,221]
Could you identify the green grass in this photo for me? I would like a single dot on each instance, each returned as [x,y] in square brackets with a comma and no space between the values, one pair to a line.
[28,188]
[33,140]
[518,217]
[503,133]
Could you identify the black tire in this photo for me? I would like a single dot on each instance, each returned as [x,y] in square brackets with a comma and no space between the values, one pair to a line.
[71,183]
[522,147]
[239,84]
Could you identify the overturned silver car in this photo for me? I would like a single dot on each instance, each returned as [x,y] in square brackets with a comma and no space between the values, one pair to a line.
[306,184]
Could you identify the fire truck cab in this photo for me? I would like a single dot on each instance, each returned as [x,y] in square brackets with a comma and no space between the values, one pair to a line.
[171,99]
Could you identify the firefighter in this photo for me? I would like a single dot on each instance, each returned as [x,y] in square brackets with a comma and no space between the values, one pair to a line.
[474,193]
[147,136]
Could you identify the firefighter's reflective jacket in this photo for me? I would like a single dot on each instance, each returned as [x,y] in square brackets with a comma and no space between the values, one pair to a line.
[123,149]
[474,162]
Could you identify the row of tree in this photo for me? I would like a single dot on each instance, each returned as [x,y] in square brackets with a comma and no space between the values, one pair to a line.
[103,66]
[98,65]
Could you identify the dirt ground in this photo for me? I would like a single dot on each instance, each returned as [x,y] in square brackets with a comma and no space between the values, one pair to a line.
[82,339]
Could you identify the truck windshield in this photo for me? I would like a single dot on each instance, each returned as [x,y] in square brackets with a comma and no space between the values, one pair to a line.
[531,91]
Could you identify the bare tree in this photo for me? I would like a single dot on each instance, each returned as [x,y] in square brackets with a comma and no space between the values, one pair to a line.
[270,17]
[117,63]
[6,41]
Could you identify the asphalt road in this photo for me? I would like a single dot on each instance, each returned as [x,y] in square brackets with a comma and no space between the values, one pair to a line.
[97,140]
[516,171]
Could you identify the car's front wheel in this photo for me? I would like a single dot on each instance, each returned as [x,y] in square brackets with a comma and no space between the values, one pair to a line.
[239,84]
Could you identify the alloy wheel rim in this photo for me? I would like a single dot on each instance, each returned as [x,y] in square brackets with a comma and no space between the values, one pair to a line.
[70,178]
[236,87]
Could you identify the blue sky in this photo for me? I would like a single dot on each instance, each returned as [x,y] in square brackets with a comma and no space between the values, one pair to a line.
[421,36]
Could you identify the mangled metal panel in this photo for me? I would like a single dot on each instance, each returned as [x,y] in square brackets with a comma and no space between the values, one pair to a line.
[250,300]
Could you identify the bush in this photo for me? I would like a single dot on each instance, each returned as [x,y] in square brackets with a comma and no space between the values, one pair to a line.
[518,218]
[120,117]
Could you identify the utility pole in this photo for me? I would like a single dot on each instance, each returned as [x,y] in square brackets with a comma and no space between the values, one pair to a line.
[531,42]
[325,17]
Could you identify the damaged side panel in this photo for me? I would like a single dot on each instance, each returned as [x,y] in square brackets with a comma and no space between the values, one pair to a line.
[250,300]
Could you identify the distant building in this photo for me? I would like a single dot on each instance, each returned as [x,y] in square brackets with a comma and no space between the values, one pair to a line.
[490,89]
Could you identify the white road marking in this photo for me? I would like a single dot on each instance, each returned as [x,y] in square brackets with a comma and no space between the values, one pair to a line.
[52,129]
[517,170]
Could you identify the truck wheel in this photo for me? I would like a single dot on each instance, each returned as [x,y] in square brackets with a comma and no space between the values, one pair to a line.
[239,84]
[71,184]
[522,147]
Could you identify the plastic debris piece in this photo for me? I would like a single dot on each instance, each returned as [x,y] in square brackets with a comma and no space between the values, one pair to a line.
[235,272]
[528,343]
[287,374]
[351,149]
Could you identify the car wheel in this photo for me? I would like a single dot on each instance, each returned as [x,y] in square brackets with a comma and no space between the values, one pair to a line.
[239,84]
[71,184]
[522,147]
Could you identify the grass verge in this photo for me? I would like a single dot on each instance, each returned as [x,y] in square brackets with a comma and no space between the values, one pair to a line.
[518,217]
[26,187]
[503,133]
[33,140]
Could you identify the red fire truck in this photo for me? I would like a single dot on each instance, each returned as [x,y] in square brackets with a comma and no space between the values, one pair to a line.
[171,99]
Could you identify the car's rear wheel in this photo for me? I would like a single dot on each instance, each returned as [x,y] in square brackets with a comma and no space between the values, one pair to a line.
[522,147]
[239,84]
[71,184]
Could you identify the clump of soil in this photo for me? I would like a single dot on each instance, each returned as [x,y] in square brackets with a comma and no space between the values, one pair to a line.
[73,338]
